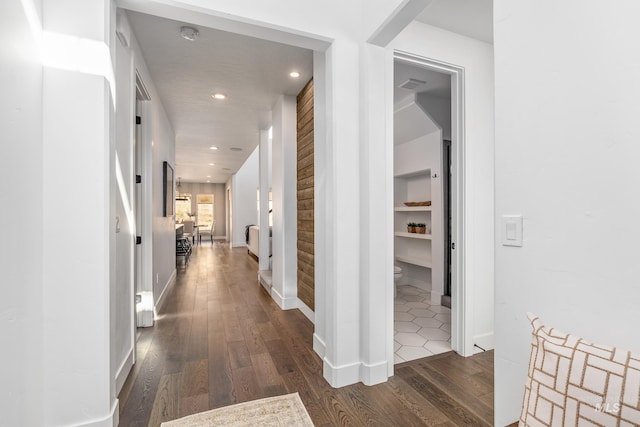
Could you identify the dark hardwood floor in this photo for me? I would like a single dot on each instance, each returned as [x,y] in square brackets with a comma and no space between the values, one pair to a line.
[221,340]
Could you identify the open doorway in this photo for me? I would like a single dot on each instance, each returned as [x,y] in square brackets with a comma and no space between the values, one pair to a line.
[427,120]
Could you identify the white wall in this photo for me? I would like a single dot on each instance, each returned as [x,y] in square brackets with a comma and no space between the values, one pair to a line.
[21,294]
[284,186]
[440,111]
[124,203]
[573,178]
[477,60]
[79,148]
[244,194]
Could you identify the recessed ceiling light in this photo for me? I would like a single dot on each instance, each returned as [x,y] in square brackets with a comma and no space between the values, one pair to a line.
[235,149]
[219,96]
[213,148]
[189,33]
[208,181]
[208,176]
[294,74]
[212,164]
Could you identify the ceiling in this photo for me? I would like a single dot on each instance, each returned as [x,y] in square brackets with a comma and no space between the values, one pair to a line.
[252,73]
[436,84]
[471,18]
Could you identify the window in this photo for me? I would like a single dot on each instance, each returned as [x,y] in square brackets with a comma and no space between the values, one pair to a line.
[205,209]
[183,207]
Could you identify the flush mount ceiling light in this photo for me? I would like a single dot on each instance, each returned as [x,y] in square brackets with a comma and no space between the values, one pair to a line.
[212,164]
[235,149]
[189,33]
[219,96]
[213,148]
[294,74]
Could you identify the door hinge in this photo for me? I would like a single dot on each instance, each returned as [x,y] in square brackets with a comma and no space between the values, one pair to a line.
[138,120]
[453,246]
[138,179]
[138,240]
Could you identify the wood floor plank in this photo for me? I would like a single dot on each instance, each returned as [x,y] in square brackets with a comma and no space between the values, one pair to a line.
[220,339]
[166,403]
[238,355]
[190,405]
[448,405]
[195,379]
[246,384]
[460,391]
[265,370]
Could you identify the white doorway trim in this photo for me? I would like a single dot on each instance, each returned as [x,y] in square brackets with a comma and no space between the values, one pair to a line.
[461,328]
[144,168]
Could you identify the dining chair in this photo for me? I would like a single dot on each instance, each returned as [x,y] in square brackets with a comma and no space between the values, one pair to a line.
[188,228]
[207,231]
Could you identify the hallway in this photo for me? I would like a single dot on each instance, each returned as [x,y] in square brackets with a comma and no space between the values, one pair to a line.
[221,340]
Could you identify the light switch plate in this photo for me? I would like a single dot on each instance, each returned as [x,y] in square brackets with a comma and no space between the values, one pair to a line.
[512,230]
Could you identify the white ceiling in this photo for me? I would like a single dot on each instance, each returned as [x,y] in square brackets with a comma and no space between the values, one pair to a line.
[471,18]
[251,72]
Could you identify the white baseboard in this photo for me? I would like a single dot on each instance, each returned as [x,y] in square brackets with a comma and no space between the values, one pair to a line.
[304,308]
[111,420]
[340,376]
[373,374]
[284,303]
[162,298]
[436,298]
[265,279]
[239,244]
[123,371]
[421,284]
[319,346]
[485,341]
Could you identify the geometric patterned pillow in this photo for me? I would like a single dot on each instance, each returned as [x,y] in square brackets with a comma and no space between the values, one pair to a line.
[575,383]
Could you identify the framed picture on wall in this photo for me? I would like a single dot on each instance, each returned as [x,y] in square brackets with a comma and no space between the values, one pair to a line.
[168,196]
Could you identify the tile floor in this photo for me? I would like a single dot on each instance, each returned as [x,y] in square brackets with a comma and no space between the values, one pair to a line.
[420,328]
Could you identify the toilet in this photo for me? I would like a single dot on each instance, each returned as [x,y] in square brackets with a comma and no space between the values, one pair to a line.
[397,275]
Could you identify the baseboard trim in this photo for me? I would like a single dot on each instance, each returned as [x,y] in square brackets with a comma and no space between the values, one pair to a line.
[436,298]
[123,371]
[373,374]
[163,296]
[111,420]
[340,376]
[319,346]
[284,303]
[485,341]
[239,245]
[304,308]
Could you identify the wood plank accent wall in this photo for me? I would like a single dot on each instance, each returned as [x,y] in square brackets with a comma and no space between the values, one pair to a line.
[306,262]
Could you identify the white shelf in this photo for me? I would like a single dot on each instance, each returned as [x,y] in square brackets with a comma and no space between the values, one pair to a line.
[413,235]
[412,208]
[414,174]
[421,262]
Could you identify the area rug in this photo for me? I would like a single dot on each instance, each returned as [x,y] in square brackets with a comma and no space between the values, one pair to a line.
[286,410]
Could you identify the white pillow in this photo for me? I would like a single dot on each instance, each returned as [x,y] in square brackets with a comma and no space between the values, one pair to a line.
[573,382]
